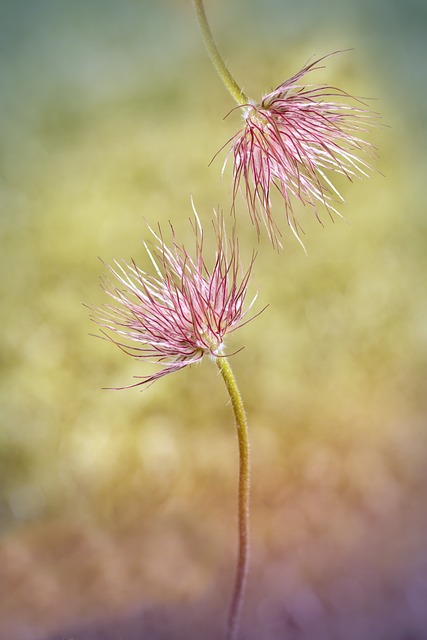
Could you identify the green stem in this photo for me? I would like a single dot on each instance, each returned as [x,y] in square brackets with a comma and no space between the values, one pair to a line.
[216,57]
[244,488]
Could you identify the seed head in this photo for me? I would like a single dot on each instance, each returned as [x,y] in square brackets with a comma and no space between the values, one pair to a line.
[185,309]
[291,141]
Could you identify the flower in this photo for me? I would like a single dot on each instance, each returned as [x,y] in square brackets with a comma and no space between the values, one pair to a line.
[290,141]
[183,311]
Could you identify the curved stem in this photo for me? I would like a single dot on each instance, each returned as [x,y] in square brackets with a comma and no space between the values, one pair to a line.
[216,57]
[244,489]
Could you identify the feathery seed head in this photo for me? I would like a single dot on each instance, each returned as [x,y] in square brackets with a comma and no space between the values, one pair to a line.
[185,309]
[291,141]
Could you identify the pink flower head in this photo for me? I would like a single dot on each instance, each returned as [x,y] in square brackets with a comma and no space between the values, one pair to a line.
[185,309]
[291,141]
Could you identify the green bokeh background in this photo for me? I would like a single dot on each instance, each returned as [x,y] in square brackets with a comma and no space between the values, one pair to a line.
[110,115]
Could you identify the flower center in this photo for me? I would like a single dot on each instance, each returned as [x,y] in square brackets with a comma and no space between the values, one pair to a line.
[213,346]
[255,116]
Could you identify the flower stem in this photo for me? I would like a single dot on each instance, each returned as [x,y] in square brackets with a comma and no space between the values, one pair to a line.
[216,57]
[244,488]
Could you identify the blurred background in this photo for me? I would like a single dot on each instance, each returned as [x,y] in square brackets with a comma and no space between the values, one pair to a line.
[118,508]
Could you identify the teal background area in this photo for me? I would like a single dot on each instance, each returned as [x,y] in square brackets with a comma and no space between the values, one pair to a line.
[116,502]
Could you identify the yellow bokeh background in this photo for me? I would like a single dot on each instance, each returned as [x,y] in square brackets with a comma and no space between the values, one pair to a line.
[113,502]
